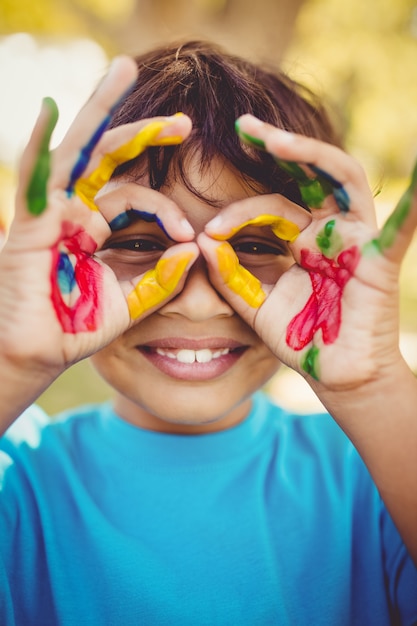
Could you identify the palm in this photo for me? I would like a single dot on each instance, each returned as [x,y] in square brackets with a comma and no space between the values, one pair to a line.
[74,303]
[333,315]
[63,303]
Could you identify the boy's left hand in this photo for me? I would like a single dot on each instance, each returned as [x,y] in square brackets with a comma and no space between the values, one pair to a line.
[333,313]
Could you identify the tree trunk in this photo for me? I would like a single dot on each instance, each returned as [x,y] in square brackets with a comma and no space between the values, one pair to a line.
[257,29]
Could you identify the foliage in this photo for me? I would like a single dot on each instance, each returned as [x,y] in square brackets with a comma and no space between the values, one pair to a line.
[363,55]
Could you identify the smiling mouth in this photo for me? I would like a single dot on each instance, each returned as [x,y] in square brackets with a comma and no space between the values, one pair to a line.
[187,363]
[185,355]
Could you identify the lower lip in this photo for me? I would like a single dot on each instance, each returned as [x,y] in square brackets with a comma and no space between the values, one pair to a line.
[195,372]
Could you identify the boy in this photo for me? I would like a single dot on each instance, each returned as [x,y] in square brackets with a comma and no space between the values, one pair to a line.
[189,271]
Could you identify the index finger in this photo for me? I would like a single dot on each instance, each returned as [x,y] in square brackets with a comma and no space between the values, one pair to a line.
[73,154]
[320,170]
[285,218]
[150,133]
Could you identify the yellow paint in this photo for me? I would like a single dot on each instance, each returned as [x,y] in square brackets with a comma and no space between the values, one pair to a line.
[157,284]
[238,278]
[87,188]
[281,227]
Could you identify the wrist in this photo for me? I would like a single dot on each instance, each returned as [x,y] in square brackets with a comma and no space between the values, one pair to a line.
[22,383]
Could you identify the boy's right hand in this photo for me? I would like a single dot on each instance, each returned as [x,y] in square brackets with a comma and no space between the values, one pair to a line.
[58,302]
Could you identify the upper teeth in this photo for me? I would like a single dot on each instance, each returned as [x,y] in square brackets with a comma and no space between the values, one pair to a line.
[190,356]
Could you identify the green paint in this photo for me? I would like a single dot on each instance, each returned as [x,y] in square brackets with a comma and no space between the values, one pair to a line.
[36,193]
[329,241]
[395,221]
[310,362]
[313,190]
[249,139]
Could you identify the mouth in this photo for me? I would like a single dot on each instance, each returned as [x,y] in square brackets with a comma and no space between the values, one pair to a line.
[191,360]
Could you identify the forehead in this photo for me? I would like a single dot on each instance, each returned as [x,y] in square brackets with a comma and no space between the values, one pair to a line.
[215,186]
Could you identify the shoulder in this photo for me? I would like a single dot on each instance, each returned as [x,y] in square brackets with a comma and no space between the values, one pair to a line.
[34,429]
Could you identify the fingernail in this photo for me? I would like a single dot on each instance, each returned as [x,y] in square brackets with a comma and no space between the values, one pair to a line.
[187,228]
[214,224]
[171,118]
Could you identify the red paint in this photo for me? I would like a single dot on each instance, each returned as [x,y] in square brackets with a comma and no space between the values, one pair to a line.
[84,315]
[323,308]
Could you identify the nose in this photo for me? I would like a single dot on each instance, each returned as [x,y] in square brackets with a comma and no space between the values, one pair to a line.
[198,301]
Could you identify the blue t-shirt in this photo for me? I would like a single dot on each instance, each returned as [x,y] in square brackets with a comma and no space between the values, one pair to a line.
[274,521]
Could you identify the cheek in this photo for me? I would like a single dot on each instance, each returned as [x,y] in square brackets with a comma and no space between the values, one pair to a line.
[265,365]
[108,362]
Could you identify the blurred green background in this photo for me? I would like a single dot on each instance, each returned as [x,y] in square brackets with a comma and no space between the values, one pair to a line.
[360,56]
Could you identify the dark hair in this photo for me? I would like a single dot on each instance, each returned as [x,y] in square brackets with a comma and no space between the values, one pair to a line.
[214,88]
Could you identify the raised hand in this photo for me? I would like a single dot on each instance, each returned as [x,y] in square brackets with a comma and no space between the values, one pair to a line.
[333,314]
[59,301]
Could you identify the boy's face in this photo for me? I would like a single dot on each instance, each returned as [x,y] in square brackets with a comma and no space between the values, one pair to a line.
[155,366]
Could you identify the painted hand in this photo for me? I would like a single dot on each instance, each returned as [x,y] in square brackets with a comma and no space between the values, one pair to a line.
[319,314]
[60,302]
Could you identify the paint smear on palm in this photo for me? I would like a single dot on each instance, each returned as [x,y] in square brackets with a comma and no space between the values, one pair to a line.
[36,192]
[76,280]
[329,271]
[87,188]
[157,284]
[314,190]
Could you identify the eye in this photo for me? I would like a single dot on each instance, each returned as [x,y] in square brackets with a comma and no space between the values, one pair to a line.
[258,248]
[264,257]
[132,253]
[135,245]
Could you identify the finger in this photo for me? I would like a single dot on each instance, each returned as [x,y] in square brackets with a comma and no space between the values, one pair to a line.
[159,132]
[162,282]
[35,164]
[239,287]
[325,172]
[73,155]
[398,230]
[285,218]
[126,203]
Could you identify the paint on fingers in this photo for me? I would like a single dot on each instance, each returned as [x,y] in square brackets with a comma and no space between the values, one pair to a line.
[314,190]
[87,188]
[281,227]
[396,220]
[157,284]
[36,192]
[86,151]
[237,278]
[128,217]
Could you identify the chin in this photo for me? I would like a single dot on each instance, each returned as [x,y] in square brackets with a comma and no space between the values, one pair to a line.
[184,412]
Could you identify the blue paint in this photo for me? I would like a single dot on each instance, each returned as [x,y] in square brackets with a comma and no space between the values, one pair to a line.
[66,276]
[125,219]
[86,151]
[313,190]
[85,155]
[339,192]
